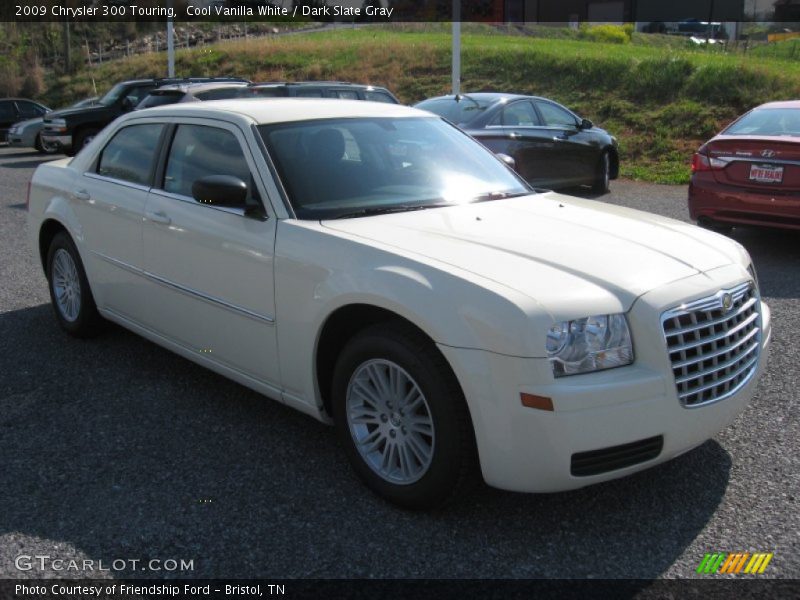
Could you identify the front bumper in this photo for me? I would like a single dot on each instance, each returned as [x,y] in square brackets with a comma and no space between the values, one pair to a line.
[729,204]
[529,450]
[64,142]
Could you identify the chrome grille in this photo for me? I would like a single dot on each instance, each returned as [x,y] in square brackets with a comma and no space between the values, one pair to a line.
[714,344]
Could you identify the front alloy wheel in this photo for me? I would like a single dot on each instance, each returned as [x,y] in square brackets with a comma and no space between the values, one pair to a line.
[402,418]
[390,421]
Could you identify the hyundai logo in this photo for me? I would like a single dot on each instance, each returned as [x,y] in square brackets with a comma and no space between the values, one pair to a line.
[768,153]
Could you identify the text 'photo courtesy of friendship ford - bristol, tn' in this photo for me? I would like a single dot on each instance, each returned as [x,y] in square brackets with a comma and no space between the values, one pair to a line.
[375,267]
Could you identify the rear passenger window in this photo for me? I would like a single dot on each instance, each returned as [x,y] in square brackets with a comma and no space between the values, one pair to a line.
[517,114]
[309,93]
[345,94]
[7,111]
[130,154]
[198,151]
[379,97]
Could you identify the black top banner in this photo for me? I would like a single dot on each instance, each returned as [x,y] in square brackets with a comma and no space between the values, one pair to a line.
[687,12]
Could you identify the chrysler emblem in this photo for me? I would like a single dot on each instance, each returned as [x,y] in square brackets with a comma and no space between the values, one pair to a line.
[727,302]
[768,153]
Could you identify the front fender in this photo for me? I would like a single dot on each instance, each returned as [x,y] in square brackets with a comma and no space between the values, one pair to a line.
[317,272]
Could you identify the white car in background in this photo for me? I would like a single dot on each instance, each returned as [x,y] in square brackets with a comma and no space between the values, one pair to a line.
[376,268]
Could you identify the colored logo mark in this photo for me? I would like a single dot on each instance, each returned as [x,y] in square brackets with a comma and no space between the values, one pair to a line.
[742,562]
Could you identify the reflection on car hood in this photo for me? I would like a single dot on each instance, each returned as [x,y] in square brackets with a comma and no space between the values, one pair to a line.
[36,121]
[559,250]
[63,113]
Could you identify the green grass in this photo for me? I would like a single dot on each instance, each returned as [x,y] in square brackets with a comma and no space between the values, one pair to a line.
[659,96]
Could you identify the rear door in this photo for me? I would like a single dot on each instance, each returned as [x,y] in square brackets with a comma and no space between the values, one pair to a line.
[109,200]
[516,131]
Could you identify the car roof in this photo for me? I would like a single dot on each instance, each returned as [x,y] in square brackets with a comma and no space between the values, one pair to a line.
[781,104]
[316,84]
[280,110]
[489,97]
[198,87]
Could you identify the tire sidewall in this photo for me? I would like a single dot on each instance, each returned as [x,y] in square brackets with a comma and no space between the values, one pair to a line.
[603,181]
[435,486]
[87,313]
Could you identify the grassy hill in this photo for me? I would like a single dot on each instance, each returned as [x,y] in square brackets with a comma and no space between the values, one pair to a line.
[661,99]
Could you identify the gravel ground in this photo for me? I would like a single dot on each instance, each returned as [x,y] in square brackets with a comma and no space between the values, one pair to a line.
[117,449]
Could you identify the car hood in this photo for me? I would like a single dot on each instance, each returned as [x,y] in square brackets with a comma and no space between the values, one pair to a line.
[65,113]
[36,121]
[564,252]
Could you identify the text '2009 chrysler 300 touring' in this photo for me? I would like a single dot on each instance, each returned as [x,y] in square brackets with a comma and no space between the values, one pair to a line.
[373,266]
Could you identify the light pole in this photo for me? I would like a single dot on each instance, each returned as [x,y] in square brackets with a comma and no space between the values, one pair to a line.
[456,47]
[170,42]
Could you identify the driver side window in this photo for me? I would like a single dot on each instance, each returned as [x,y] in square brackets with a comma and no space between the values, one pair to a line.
[555,116]
[198,151]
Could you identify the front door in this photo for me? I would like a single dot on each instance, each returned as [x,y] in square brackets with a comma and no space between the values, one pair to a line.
[211,267]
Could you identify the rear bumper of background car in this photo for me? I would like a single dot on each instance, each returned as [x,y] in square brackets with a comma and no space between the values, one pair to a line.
[722,203]
[603,425]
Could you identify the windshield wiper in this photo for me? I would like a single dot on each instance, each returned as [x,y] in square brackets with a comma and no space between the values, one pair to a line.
[499,196]
[385,210]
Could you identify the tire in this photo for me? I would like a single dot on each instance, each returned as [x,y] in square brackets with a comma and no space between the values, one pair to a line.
[440,457]
[602,181]
[82,139]
[42,148]
[70,294]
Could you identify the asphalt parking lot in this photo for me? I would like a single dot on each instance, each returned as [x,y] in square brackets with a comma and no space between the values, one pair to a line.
[115,449]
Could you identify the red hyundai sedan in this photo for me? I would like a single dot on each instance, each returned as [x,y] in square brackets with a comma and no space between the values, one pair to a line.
[750,173]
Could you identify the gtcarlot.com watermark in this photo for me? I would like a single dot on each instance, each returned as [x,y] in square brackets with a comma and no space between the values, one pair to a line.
[44,562]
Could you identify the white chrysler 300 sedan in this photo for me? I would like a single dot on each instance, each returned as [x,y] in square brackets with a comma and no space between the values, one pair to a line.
[376,268]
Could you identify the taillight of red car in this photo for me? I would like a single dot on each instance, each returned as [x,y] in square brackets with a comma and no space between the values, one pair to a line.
[701,162]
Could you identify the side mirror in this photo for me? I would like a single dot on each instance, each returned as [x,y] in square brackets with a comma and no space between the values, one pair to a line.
[220,190]
[510,162]
[585,124]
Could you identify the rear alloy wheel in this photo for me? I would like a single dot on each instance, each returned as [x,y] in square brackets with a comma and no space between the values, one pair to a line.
[402,417]
[602,182]
[72,299]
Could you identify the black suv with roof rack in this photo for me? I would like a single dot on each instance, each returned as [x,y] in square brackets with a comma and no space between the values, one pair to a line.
[319,89]
[72,128]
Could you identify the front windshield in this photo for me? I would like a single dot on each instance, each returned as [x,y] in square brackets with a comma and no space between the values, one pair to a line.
[767,121]
[334,168]
[113,95]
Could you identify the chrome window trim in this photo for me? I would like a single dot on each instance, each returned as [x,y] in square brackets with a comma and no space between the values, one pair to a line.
[188,200]
[122,182]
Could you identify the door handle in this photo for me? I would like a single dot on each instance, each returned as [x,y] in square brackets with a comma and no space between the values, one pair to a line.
[81,195]
[159,217]
[560,138]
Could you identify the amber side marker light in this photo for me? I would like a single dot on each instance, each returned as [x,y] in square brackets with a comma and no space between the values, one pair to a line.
[538,402]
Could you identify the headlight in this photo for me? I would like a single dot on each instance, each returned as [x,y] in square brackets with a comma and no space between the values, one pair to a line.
[590,344]
[752,270]
[57,125]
